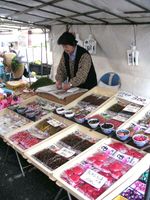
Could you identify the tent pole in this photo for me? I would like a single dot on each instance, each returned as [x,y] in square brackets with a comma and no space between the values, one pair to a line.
[41,59]
[28,66]
[46,50]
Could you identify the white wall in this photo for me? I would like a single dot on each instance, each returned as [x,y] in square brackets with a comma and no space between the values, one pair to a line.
[112,45]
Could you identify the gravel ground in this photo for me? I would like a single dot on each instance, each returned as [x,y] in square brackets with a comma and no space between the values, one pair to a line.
[34,186]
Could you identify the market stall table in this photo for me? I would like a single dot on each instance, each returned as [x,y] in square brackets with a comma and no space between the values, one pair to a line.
[64,101]
[66,97]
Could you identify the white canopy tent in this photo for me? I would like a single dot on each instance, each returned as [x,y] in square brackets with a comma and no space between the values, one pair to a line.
[114,24]
[112,45]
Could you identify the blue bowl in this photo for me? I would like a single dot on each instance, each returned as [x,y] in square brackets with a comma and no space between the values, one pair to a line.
[107,128]
[123,134]
[140,143]
[60,110]
[93,122]
[79,118]
[21,110]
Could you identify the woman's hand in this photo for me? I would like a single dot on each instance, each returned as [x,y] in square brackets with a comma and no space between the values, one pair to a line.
[58,85]
[66,86]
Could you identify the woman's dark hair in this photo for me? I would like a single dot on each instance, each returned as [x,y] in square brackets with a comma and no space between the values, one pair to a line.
[67,38]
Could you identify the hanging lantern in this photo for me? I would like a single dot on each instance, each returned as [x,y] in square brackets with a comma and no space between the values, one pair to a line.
[133,56]
[132,53]
[90,45]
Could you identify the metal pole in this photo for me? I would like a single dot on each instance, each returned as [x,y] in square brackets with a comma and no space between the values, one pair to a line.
[28,66]
[58,194]
[20,165]
[41,59]
[69,196]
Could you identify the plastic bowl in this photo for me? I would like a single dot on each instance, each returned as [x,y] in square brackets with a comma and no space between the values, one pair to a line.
[21,110]
[93,122]
[31,114]
[79,118]
[107,128]
[60,110]
[69,113]
[123,134]
[140,139]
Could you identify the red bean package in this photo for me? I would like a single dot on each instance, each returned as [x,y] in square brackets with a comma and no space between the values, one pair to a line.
[101,169]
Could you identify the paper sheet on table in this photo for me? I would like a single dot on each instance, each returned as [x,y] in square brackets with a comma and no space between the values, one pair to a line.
[60,94]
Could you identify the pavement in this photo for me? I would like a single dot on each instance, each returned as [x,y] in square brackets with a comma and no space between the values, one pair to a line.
[33,186]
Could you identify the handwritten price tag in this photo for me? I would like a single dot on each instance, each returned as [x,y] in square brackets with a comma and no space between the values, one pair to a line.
[67,153]
[54,122]
[131,108]
[132,98]
[107,149]
[93,178]
[120,118]
[125,158]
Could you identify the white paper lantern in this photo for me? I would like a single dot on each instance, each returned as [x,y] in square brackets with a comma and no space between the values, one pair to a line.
[90,45]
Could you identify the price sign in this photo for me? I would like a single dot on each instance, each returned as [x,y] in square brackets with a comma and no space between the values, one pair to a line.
[67,153]
[93,178]
[107,149]
[131,108]
[54,122]
[125,158]
[133,98]
[120,118]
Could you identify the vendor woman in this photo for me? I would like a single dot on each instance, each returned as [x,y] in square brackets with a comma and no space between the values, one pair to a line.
[76,68]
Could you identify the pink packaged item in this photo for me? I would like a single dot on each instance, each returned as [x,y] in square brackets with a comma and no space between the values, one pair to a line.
[101,169]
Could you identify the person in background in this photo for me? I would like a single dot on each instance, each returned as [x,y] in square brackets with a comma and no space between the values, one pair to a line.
[11,48]
[76,68]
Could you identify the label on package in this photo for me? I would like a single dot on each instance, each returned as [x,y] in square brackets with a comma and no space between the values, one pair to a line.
[54,123]
[93,178]
[125,158]
[120,118]
[67,153]
[131,108]
[107,149]
[139,186]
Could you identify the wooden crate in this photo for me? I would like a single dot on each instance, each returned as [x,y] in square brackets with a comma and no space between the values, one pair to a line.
[27,127]
[45,144]
[14,127]
[62,183]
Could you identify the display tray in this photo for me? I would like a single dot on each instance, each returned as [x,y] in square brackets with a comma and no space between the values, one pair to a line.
[24,94]
[34,108]
[30,136]
[139,125]
[116,112]
[63,148]
[101,170]
[90,101]
[10,122]
[133,188]
[128,141]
